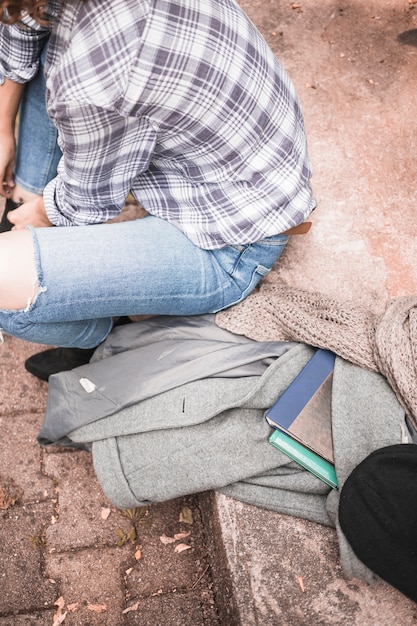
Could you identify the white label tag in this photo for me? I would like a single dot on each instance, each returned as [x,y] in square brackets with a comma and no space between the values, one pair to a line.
[87,385]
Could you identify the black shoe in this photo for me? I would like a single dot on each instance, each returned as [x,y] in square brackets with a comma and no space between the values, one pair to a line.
[44,364]
[5,225]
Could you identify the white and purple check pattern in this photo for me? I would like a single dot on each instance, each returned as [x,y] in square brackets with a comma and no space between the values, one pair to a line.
[179,101]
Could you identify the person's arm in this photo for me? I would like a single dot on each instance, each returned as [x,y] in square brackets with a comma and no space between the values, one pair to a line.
[10,95]
[103,152]
[20,48]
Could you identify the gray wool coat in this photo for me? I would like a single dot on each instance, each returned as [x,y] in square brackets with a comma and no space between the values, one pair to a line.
[172,406]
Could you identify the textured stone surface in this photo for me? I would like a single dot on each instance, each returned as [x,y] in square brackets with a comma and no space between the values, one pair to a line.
[356,84]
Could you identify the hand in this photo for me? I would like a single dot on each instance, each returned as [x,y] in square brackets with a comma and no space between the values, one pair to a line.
[7,161]
[30,213]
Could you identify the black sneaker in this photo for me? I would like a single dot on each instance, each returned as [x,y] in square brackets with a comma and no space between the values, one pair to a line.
[44,364]
[55,360]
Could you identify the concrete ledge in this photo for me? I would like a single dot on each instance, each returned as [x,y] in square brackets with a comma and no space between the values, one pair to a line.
[282,570]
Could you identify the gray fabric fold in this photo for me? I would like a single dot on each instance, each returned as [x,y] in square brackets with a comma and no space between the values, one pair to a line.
[148,358]
[210,432]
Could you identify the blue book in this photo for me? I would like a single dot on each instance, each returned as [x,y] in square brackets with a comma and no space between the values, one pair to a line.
[302,417]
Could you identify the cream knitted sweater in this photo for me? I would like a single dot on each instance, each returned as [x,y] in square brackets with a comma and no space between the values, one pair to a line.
[385,343]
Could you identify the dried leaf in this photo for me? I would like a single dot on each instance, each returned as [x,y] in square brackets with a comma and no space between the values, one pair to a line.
[59,618]
[186,515]
[138,553]
[105,512]
[97,608]
[301,583]
[181,547]
[183,535]
[60,602]
[166,540]
[157,593]
[10,492]
[133,607]
[73,607]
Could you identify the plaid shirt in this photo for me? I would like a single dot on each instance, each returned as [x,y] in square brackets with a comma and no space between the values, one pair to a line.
[180,102]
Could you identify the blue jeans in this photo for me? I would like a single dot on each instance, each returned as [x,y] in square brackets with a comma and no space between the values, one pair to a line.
[89,274]
[38,153]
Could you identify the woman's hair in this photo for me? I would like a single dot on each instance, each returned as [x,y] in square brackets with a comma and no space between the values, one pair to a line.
[13,10]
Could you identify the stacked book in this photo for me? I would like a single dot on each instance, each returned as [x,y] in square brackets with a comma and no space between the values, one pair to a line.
[302,419]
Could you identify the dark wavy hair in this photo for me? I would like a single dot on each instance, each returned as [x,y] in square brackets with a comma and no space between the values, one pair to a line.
[12,10]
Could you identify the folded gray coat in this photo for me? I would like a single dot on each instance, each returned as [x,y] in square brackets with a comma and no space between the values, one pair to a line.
[208,431]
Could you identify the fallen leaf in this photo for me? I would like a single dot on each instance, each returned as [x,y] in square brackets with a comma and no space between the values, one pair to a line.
[59,616]
[301,583]
[181,547]
[73,607]
[97,608]
[157,593]
[138,553]
[186,515]
[105,512]
[134,607]
[10,492]
[183,535]
[166,540]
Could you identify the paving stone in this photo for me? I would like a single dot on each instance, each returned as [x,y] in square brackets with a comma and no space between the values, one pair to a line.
[21,393]
[161,568]
[21,456]
[92,580]
[82,505]
[24,586]
[174,609]
[30,619]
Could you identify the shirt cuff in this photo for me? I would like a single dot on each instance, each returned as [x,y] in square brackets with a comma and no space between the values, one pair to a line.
[51,209]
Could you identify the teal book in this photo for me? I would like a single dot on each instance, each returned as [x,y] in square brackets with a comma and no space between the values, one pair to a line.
[305,457]
[302,420]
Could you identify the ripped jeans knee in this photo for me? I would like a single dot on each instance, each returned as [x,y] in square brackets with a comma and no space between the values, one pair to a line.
[49,316]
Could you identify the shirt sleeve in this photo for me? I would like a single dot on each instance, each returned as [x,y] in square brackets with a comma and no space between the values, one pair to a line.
[103,152]
[20,47]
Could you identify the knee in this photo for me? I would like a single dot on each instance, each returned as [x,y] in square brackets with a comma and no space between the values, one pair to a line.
[18,276]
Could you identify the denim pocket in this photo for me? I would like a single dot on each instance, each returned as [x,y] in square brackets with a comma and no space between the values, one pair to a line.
[246,265]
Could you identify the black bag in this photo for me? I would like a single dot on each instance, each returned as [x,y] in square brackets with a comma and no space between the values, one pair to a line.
[378,515]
